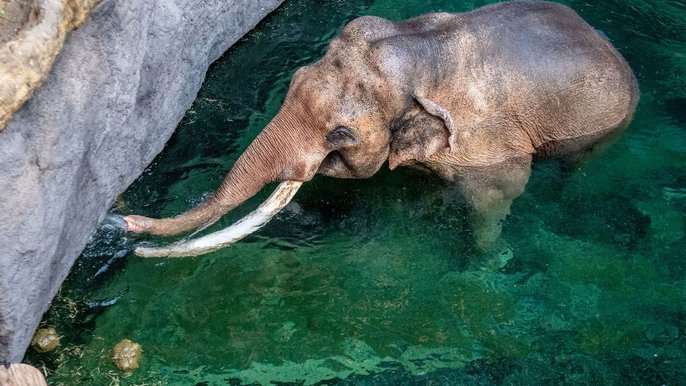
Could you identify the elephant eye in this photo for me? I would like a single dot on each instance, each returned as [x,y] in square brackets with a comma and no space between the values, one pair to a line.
[342,136]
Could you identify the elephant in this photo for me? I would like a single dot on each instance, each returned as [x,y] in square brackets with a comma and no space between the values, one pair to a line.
[474,97]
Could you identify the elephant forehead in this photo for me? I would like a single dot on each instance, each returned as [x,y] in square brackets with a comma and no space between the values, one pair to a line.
[345,95]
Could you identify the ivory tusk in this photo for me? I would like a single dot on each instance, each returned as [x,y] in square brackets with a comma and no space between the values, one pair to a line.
[245,226]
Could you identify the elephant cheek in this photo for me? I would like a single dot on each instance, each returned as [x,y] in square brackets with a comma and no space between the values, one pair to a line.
[373,163]
[301,171]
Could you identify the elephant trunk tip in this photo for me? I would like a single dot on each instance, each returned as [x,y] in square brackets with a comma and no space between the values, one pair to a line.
[114,221]
[137,224]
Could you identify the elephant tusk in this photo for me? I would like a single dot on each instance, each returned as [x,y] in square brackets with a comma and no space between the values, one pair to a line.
[245,226]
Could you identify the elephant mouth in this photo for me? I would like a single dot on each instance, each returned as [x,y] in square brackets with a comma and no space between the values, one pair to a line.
[335,166]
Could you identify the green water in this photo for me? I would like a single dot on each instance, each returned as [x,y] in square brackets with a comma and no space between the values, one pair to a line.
[372,281]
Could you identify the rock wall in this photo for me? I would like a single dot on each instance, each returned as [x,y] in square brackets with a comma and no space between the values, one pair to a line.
[25,60]
[113,98]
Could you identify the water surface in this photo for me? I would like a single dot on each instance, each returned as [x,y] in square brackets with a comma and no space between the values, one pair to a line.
[372,281]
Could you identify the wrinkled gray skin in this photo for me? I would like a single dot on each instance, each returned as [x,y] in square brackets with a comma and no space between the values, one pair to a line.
[472,97]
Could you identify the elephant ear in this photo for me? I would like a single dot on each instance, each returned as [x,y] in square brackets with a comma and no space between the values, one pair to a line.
[425,129]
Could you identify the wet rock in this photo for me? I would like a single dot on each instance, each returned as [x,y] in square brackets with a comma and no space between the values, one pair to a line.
[126,355]
[662,333]
[45,340]
[20,374]
[117,90]
[612,220]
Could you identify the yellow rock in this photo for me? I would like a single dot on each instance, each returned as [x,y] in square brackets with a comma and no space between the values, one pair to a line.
[26,59]
[126,355]
[45,340]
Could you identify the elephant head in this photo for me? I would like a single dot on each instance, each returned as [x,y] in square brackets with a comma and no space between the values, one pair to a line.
[338,119]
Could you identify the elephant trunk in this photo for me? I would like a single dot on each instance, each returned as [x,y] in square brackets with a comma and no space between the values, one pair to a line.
[282,152]
[247,225]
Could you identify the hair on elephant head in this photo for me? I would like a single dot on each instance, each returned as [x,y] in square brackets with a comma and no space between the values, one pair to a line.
[464,95]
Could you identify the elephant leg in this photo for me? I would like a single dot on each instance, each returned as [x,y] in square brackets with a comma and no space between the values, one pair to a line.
[489,192]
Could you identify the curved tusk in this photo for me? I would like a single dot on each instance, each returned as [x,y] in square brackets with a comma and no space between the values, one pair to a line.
[247,225]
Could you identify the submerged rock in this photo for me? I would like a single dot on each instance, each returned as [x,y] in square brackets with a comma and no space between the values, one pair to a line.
[115,94]
[126,355]
[612,220]
[45,340]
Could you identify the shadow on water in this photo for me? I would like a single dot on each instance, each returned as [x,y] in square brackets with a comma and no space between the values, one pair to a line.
[371,281]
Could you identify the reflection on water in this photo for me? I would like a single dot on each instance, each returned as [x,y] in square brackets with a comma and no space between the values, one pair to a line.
[369,281]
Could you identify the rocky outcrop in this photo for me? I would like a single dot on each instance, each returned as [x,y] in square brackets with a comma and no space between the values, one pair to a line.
[116,92]
[26,58]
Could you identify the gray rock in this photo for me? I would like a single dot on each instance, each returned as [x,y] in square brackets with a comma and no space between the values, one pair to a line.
[113,98]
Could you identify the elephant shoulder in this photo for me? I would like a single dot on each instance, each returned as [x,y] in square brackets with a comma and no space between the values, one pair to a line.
[430,22]
[367,29]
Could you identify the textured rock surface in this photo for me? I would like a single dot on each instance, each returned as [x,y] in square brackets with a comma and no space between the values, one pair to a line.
[21,375]
[114,96]
[26,59]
